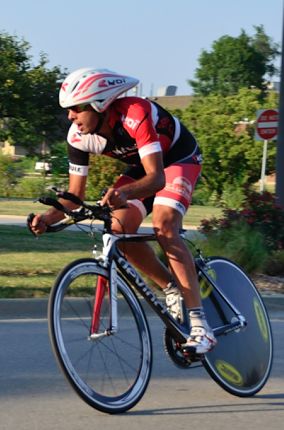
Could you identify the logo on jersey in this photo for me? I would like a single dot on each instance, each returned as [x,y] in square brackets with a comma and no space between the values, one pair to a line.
[128,150]
[111,82]
[197,159]
[130,122]
[76,137]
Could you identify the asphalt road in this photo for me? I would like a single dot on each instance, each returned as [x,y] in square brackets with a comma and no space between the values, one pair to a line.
[35,396]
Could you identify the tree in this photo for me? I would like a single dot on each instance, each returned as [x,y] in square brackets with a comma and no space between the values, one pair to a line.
[235,63]
[29,108]
[230,156]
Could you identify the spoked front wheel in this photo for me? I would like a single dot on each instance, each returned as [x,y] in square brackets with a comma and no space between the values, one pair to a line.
[242,360]
[109,371]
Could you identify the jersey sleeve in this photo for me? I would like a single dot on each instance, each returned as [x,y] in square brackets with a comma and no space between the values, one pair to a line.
[79,147]
[139,121]
[78,158]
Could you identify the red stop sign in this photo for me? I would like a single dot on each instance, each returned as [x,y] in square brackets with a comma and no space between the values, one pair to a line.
[267,124]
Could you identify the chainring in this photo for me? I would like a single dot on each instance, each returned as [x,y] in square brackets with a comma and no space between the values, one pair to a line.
[179,357]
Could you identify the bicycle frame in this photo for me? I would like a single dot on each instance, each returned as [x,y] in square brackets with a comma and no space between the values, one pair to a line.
[112,260]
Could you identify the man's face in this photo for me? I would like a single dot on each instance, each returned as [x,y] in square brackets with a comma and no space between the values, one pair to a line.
[85,117]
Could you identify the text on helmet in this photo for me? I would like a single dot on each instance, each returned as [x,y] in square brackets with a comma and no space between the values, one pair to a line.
[111,82]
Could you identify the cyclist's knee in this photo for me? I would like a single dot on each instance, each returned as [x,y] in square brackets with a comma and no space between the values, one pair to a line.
[126,220]
[167,223]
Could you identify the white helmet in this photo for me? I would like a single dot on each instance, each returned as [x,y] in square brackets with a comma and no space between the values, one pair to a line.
[97,87]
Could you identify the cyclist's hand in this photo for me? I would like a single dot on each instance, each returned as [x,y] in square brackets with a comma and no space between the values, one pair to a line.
[114,198]
[37,224]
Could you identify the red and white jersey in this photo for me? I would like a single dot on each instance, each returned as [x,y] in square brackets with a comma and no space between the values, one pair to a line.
[140,128]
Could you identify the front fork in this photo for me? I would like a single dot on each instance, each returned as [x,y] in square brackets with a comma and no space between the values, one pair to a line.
[101,289]
[105,286]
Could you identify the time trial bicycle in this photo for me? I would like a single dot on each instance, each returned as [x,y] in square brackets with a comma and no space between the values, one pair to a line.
[100,334]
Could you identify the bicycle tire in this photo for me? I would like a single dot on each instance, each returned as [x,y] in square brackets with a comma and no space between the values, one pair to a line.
[241,361]
[111,374]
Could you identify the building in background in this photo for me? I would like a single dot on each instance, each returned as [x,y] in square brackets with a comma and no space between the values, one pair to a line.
[172,102]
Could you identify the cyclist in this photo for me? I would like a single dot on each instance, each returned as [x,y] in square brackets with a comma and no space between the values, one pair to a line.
[164,163]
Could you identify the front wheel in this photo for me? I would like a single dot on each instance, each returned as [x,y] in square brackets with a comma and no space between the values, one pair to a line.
[242,360]
[109,371]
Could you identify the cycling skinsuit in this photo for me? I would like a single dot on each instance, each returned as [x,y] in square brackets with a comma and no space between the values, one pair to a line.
[142,127]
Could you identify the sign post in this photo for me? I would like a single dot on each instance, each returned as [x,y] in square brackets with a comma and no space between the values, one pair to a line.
[263,167]
[266,129]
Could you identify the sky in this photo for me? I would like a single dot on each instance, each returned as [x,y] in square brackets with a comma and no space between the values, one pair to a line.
[157,41]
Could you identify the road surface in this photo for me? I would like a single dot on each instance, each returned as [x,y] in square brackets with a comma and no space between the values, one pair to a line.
[35,396]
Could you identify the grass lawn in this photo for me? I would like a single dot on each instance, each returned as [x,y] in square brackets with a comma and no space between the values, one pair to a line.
[28,266]
[20,207]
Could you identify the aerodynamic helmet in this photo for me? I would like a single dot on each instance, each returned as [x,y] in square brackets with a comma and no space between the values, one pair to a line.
[97,87]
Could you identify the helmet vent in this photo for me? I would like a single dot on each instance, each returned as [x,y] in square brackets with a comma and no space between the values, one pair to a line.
[77,83]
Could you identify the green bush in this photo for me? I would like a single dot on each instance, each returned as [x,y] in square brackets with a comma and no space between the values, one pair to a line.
[214,199]
[260,212]
[240,243]
[252,236]
[274,265]
[10,174]
[27,164]
[201,194]
[59,159]
[33,187]
[30,187]
[233,196]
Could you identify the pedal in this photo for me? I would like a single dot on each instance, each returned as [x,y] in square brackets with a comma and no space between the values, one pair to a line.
[192,356]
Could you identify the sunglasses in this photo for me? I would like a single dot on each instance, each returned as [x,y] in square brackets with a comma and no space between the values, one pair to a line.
[79,108]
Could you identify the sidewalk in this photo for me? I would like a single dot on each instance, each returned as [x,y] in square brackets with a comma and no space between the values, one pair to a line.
[22,221]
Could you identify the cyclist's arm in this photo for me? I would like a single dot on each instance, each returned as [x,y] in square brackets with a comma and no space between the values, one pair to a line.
[77,185]
[150,184]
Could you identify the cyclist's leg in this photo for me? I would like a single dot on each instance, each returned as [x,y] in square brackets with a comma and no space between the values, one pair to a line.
[170,204]
[128,220]
[167,223]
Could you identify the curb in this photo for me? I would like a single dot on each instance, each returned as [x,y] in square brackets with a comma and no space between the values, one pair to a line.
[23,308]
[37,308]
